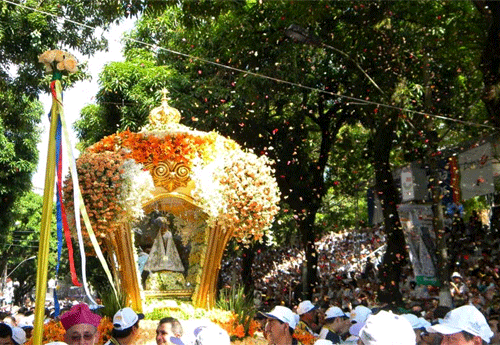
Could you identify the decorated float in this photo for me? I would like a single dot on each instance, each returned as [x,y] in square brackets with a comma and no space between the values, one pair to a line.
[198,188]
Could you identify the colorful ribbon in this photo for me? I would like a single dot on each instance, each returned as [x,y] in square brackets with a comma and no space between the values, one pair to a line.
[80,209]
[62,221]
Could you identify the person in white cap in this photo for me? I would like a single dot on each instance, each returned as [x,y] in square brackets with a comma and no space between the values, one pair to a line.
[125,327]
[419,325]
[211,334]
[18,335]
[360,314]
[323,342]
[336,324]
[386,328]
[309,318]
[458,289]
[11,335]
[280,325]
[464,325]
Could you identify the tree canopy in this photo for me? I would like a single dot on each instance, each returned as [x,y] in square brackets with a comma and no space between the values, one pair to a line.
[355,95]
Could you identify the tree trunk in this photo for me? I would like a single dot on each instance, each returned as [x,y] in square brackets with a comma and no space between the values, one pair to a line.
[246,267]
[311,255]
[490,60]
[395,255]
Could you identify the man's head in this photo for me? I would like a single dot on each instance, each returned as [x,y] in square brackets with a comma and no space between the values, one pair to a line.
[307,312]
[463,325]
[280,324]
[211,335]
[80,325]
[337,320]
[18,336]
[125,323]
[456,277]
[360,314]
[168,328]
[386,328]
[6,334]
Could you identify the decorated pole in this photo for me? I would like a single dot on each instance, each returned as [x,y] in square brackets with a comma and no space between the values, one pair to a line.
[55,61]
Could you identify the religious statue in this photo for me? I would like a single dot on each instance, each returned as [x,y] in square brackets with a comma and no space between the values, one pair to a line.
[164,263]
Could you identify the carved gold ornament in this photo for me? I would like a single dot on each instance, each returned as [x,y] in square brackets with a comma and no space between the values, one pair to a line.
[169,175]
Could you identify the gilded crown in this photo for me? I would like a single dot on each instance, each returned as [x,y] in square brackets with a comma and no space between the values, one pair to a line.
[164,113]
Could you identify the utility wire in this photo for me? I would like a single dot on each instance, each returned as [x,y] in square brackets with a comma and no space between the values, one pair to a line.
[364,102]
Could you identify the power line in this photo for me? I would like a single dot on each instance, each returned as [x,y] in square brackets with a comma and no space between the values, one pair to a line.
[362,101]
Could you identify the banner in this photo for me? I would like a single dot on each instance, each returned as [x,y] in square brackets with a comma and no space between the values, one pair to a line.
[476,171]
[416,221]
[407,191]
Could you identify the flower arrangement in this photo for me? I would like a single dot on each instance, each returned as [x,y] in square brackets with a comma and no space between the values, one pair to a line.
[304,336]
[113,188]
[238,191]
[58,60]
[137,185]
[144,147]
[227,320]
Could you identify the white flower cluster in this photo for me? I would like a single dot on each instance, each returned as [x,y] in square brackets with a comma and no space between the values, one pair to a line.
[237,190]
[137,185]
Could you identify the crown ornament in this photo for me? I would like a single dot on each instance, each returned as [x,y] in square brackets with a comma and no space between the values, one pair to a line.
[164,114]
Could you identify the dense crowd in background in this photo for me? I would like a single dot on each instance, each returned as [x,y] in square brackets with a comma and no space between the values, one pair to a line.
[348,271]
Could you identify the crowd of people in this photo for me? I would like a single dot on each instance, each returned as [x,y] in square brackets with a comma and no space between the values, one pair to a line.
[344,308]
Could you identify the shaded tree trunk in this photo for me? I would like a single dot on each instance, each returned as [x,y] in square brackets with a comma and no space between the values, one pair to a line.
[395,255]
[490,60]
[246,267]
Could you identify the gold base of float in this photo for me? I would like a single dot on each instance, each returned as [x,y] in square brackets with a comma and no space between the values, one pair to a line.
[149,294]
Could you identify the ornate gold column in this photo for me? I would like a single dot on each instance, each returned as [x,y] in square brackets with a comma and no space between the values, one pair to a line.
[217,241]
[127,266]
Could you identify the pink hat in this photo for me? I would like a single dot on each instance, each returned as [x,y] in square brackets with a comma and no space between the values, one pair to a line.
[79,314]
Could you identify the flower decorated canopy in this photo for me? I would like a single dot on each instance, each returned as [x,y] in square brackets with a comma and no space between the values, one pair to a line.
[192,174]
[199,170]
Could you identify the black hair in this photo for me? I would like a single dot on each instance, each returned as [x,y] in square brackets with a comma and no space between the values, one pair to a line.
[5,330]
[331,319]
[125,332]
[176,325]
[469,336]
[441,311]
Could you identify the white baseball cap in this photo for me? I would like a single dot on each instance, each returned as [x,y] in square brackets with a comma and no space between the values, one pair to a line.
[213,334]
[284,315]
[18,335]
[416,322]
[323,342]
[125,318]
[456,275]
[386,328]
[355,328]
[305,307]
[465,318]
[360,314]
[332,312]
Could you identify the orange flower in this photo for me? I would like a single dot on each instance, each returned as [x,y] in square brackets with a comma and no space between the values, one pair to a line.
[304,337]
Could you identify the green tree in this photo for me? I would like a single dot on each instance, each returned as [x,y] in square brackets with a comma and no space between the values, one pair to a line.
[383,57]
[20,244]
[26,31]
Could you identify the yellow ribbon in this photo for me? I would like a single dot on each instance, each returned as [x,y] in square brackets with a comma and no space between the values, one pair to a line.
[48,196]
